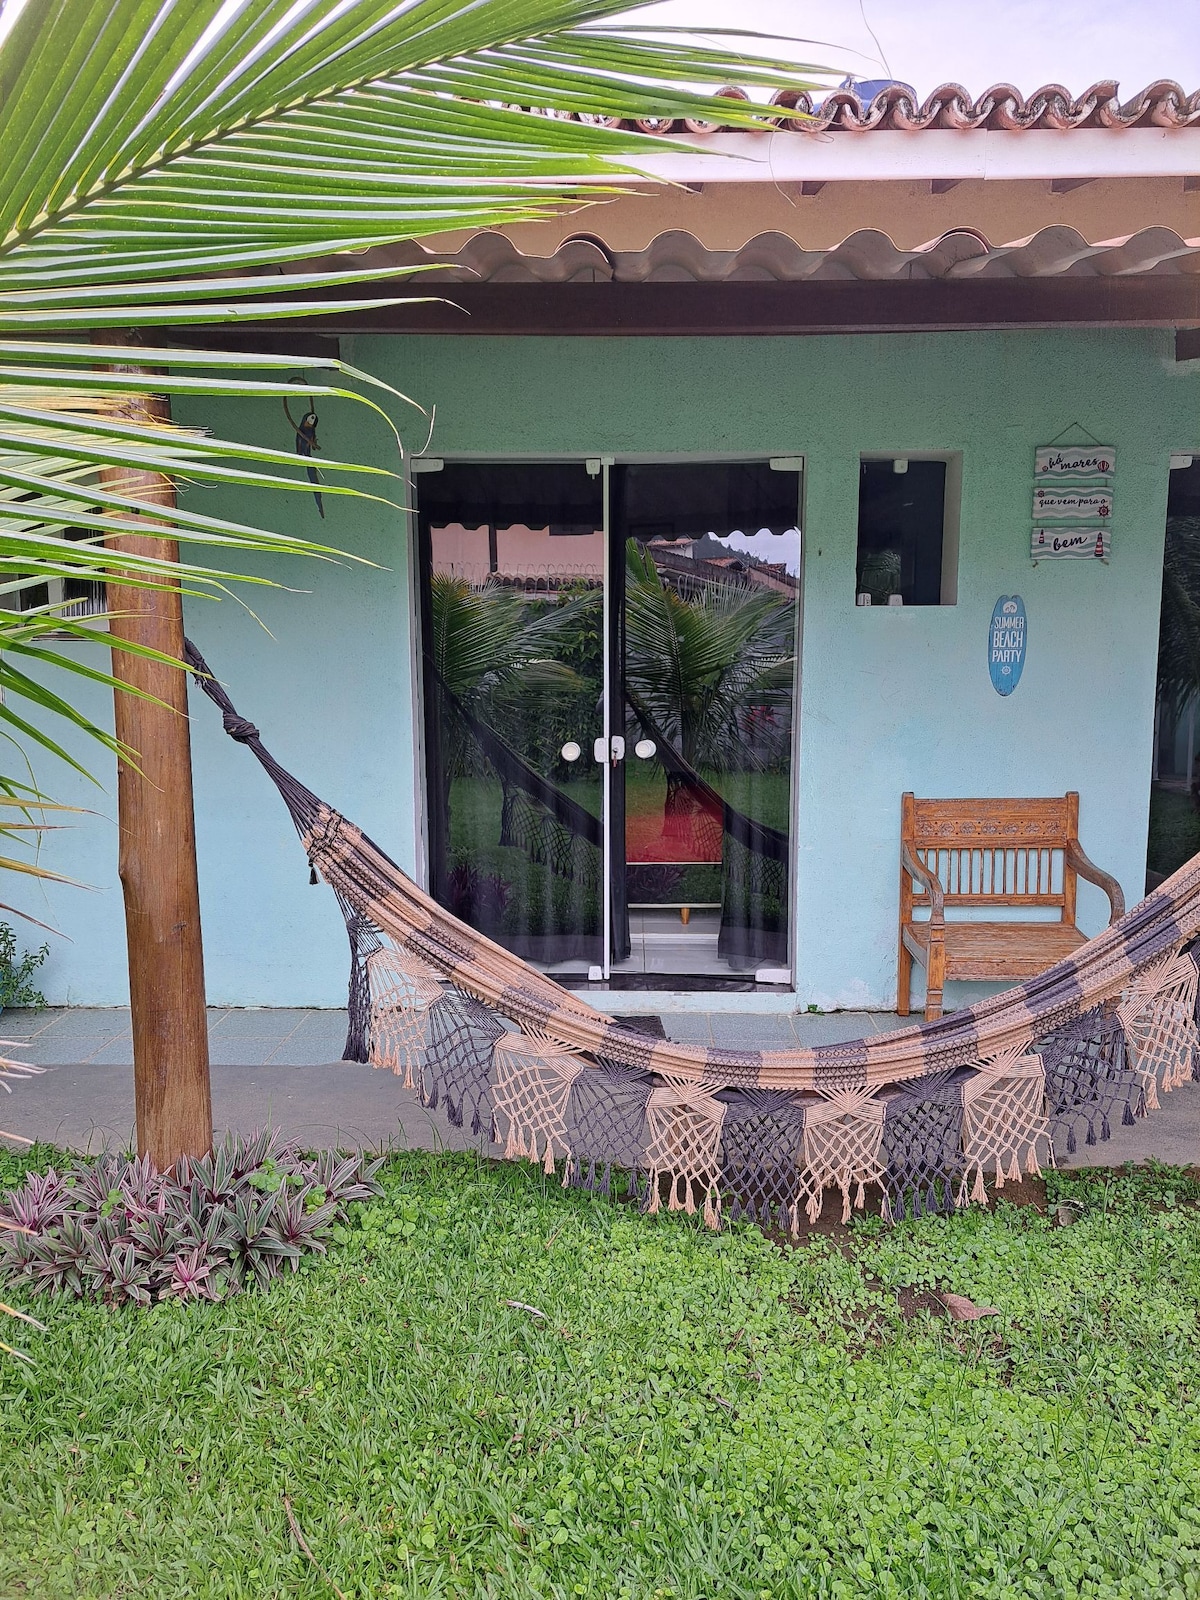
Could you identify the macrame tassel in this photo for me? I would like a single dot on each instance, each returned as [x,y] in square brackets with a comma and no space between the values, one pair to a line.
[548,1163]
[1071,1145]
[1129,1117]
[978,1191]
[1176,1075]
[846,1205]
[712,1209]
[1150,1094]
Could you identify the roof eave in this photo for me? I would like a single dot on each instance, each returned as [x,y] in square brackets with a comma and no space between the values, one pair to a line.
[782,156]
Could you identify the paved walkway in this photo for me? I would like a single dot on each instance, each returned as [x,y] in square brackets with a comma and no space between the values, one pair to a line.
[283,1068]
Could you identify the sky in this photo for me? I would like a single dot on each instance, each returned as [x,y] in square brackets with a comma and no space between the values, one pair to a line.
[977,42]
[973,42]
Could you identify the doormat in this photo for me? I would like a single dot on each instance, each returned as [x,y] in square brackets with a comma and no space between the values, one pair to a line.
[644,1024]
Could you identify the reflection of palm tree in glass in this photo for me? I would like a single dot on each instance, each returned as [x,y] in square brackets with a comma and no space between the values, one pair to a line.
[490,643]
[713,667]
[517,853]
[500,656]
[1179,627]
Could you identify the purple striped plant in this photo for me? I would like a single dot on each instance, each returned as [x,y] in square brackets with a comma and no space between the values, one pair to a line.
[115,1229]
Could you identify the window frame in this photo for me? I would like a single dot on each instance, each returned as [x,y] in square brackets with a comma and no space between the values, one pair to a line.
[951,520]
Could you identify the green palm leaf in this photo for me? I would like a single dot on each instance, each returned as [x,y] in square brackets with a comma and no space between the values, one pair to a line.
[270,132]
[163,162]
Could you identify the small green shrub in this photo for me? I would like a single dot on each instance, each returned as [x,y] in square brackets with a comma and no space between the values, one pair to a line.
[16,972]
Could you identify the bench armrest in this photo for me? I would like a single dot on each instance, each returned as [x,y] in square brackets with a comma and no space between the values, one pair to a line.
[1094,874]
[921,872]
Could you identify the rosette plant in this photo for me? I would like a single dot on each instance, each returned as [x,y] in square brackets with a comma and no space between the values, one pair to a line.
[164,163]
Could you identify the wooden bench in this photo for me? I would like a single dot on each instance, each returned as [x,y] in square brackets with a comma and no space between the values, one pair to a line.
[987,855]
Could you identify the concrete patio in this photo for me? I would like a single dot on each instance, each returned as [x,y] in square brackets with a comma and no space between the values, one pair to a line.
[284,1068]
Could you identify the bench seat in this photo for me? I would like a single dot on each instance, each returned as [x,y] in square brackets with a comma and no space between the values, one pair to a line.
[982,951]
[976,856]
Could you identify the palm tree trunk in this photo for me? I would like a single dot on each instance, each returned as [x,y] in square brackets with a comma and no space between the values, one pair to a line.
[157,852]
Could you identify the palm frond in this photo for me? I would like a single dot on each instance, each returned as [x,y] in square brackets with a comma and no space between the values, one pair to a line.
[271,132]
[175,164]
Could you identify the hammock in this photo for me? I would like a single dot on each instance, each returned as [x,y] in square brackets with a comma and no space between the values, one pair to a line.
[919,1111]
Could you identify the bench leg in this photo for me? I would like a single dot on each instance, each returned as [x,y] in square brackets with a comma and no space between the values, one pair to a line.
[935,980]
[904,981]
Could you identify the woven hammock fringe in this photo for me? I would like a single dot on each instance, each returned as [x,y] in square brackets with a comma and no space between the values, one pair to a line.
[1004,1119]
[1158,1013]
[524,1082]
[683,1139]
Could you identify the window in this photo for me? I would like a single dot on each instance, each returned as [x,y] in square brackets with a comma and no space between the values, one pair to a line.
[77,597]
[907,532]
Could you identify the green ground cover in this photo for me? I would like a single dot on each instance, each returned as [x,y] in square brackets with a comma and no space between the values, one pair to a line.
[691,1415]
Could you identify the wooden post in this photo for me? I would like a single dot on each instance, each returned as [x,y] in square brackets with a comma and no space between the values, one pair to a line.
[157,860]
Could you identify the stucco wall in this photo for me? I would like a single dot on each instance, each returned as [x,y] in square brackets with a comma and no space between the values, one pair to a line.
[892,699]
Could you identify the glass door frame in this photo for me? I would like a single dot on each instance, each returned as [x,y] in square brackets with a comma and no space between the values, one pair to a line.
[600,465]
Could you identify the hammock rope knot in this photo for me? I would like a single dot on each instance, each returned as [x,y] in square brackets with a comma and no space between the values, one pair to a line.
[238,728]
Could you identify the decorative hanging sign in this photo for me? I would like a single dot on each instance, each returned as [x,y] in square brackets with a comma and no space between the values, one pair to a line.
[1006,643]
[1060,463]
[1073,502]
[1057,542]
[1071,505]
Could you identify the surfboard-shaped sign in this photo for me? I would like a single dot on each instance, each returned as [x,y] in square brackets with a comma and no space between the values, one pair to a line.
[1006,643]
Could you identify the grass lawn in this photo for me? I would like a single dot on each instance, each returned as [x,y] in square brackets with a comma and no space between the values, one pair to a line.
[694,1415]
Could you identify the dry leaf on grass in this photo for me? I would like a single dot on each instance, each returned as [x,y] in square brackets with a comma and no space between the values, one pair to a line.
[963,1310]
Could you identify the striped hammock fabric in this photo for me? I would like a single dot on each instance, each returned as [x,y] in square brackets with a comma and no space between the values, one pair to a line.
[1113,1023]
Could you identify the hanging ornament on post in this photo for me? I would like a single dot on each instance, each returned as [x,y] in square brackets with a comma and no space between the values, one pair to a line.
[306,443]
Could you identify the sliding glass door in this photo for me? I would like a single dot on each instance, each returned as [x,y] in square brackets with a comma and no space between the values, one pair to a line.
[512,568]
[706,662]
[609,667]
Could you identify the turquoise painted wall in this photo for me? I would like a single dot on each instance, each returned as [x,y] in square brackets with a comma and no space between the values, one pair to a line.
[891,699]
